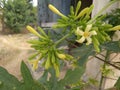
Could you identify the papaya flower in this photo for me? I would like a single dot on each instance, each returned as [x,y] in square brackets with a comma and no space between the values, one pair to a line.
[86,34]
[56,11]
[61,56]
[32,30]
[34,64]
[115,28]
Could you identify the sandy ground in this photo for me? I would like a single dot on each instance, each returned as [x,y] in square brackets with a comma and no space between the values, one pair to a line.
[14,49]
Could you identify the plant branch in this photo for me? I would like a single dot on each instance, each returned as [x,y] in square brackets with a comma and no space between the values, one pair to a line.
[108,63]
[104,65]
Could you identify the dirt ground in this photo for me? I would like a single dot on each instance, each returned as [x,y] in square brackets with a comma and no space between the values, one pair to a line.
[14,49]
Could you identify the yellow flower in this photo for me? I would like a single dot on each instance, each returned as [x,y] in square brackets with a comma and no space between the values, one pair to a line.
[34,64]
[85,35]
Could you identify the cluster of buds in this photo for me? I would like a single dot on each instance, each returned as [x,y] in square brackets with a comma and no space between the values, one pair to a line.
[81,25]
[47,51]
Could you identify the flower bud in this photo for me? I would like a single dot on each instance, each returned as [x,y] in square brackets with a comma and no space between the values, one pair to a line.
[78,7]
[115,28]
[61,56]
[83,12]
[32,30]
[56,11]
[57,71]
[47,64]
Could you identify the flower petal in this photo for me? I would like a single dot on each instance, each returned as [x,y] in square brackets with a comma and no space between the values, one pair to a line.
[81,40]
[35,64]
[89,41]
[93,33]
[88,28]
[79,31]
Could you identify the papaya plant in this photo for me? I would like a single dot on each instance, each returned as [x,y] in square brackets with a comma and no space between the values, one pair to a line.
[87,36]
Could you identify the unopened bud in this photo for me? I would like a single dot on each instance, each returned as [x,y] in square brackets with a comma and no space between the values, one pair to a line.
[61,56]
[115,28]
[32,30]
[56,11]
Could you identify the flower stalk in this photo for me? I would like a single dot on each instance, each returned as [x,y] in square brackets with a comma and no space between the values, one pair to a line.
[56,43]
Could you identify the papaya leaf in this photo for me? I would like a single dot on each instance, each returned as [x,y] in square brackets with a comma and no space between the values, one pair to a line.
[117,84]
[112,46]
[73,76]
[83,53]
[29,83]
[27,77]
[8,81]
[43,78]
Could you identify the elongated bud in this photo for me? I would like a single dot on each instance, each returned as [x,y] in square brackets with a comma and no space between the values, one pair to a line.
[96,47]
[56,11]
[115,28]
[48,62]
[69,57]
[83,12]
[57,71]
[96,44]
[95,41]
[53,58]
[32,30]
[42,31]
[78,7]
[72,10]
[61,56]
[90,10]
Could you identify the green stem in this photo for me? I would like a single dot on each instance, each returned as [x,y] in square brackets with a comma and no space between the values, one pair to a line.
[56,43]
[103,9]
[104,65]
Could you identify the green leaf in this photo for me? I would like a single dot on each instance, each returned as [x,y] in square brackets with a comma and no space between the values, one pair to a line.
[83,53]
[27,77]
[112,46]
[43,78]
[8,81]
[117,84]
[29,83]
[73,76]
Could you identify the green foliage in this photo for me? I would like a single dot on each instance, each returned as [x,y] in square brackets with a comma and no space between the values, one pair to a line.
[113,46]
[82,53]
[28,82]
[71,77]
[117,84]
[17,14]
[9,82]
[85,36]
[113,17]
